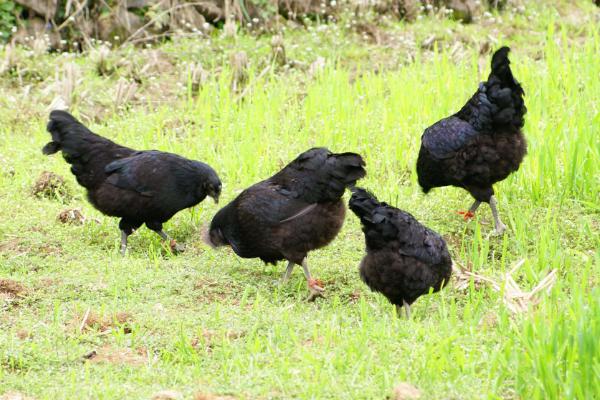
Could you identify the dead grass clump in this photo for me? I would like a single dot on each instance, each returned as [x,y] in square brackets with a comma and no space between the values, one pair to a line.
[195,76]
[91,321]
[66,83]
[10,61]
[111,355]
[101,57]
[51,186]
[278,50]
[514,298]
[125,92]
[239,65]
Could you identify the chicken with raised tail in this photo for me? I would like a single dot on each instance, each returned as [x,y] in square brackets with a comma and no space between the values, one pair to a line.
[479,145]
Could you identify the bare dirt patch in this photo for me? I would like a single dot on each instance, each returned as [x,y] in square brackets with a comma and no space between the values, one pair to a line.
[10,292]
[121,356]
[11,288]
[104,324]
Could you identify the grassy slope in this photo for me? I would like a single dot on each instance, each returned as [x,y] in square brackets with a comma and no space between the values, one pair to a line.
[208,321]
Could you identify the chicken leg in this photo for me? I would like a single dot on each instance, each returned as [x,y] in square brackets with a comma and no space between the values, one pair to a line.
[500,227]
[406,308]
[124,236]
[288,272]
[175,247]
[313,287]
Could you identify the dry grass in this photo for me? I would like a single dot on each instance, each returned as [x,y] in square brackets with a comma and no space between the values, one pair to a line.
[514,297]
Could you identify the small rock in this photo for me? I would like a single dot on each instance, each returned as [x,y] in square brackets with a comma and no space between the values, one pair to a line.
[167,395]
[406,391]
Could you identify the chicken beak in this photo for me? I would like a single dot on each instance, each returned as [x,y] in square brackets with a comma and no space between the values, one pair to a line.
[215,198]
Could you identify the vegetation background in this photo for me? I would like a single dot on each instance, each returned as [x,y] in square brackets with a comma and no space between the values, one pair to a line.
[246,89]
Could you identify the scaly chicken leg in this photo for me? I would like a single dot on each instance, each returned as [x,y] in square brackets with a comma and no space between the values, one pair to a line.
[500,227]
[313,287]
[175,247]
[406,308]
[124,236]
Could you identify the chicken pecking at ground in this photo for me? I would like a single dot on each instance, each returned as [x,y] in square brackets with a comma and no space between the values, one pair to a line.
[297,210]
[404,259]
[140,187]
[479,145]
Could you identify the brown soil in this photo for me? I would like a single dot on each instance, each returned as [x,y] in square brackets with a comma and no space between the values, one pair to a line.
[111,355]
[91,321]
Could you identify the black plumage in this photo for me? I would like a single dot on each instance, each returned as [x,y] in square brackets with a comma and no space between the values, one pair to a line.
[297,210]
[482,143]
[140,187]
[404,259]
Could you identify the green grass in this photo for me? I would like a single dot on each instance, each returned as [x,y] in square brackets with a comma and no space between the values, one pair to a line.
[206,321]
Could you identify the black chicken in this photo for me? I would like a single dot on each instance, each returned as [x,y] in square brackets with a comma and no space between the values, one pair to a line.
[479,145]
[137,186]
[297,210]
[404,259]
